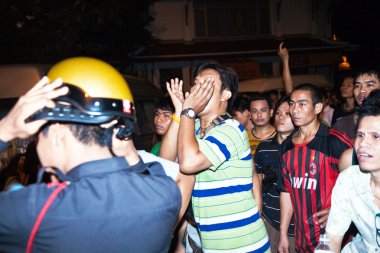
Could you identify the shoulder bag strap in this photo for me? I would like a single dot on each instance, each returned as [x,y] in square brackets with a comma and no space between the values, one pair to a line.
[42,213]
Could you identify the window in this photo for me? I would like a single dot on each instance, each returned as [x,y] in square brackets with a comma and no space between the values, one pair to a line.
[240,18]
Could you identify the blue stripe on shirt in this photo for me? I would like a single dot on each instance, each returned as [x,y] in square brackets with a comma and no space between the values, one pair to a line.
[229,225]
[221,190]
[241,128]
[262,249]
[247,158]
[222,147]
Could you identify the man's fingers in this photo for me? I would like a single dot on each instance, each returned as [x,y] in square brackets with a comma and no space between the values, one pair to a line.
[323,219]
[168,87]
[180,90]
[195,90]
[322,212]
[44,80]
[57,92]
[280,46]
[44,87]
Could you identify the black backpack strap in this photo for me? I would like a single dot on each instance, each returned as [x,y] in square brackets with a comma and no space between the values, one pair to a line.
[217,121]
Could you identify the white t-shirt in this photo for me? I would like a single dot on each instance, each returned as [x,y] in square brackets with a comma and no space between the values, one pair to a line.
[171,168]
[352,200]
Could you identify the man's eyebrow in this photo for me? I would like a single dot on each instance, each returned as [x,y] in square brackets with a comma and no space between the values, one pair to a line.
[366,132]
[301,100]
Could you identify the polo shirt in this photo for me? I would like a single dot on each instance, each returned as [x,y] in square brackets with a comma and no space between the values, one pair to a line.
[224,207]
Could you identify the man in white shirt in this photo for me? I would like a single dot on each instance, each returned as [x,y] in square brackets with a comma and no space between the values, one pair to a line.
[356,195]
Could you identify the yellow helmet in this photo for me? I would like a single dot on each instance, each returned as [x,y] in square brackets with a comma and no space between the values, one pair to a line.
[98,93]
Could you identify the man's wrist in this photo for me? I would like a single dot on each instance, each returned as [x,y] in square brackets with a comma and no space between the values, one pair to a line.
[189,112]
[4,135]
[176,119]
[283,232]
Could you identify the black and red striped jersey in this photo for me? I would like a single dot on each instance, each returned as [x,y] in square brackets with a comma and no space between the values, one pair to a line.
[309,172]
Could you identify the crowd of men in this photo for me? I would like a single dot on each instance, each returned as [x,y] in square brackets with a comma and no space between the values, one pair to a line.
[247,174]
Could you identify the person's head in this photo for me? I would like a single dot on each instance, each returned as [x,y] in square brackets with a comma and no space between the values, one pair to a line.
[282,120]
[261,110]
[273,96]
[7,156]
[364,82]
[163,115]
[55,138]
[328,97]
[98,99]
[306,102]
[367,142]
[226,85]
[347,87]
[240,110]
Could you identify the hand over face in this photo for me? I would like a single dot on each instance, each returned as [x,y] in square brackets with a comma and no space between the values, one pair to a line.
[200,95]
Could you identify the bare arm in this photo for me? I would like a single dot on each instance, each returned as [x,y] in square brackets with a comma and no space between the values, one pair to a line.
[190,158]
[257,188]
[185,184]
[181,233]
[286,216]
[13,124]
[286,76]
[345,160]
[168,149]
[335,242]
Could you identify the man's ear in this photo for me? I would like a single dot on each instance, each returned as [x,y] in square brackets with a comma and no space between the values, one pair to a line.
[318,108]
[226,94]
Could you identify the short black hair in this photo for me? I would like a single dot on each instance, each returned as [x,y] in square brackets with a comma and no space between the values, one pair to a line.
[260,96]
[165,104]
[227,76]
[241,104]
[282,100]
[316,94]
[369,72]
[88,134]
[370,106]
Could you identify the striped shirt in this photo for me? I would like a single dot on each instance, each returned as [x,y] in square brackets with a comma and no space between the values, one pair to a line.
[254,141]
[309,174]
[223,204]
[268,162]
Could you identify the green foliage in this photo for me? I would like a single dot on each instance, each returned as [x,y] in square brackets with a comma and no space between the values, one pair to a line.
[50,30]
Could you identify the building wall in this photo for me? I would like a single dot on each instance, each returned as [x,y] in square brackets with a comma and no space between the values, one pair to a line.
[294,17]
[174,20]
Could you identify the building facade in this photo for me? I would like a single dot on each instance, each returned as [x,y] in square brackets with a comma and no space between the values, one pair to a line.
[243,34]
